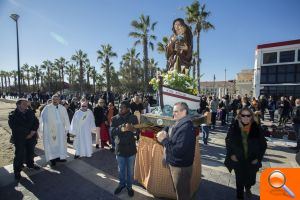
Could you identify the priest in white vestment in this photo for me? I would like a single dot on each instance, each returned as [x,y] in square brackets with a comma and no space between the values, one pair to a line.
[82,125]
[54,126]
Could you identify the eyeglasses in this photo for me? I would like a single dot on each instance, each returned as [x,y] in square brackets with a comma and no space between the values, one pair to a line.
[245,115]
[101,102]
[176,111]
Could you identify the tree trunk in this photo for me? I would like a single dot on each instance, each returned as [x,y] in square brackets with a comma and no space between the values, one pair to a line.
[62,79]
[49,86]
[198,61]
[107,74]
[5,81]
[145,60]
[2,83]
[8,83]
[28,80]
[80,77]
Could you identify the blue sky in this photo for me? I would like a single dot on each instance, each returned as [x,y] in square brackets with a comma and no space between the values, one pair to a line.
[50,29]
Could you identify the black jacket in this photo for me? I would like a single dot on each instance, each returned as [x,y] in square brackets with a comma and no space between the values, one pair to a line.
[296,115]
[22,123]
[180,147]
[100,115]
[257,146]
[124,141]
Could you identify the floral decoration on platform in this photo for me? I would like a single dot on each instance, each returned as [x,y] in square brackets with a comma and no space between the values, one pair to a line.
[176,81]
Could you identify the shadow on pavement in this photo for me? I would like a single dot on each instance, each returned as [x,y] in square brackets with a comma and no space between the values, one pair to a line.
[65,184]
[213,153]
[104,160]
[11,192]
[210,190]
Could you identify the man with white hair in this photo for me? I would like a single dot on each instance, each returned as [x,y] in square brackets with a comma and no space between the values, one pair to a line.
[54,125]
[83,123]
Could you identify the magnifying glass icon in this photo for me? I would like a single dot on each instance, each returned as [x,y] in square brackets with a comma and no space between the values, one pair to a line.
[277,180]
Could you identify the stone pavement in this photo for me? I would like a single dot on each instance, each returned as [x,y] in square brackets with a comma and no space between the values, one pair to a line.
[96,177]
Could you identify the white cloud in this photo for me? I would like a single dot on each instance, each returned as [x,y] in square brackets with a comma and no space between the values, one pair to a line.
[59,38]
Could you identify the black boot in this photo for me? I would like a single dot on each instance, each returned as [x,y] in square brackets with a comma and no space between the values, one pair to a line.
[53,162]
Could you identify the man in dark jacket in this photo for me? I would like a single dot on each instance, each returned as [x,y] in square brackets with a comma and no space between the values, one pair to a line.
[180,143]
[125,136]
[24,125]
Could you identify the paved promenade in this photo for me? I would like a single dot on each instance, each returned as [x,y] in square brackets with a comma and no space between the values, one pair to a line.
[96,177]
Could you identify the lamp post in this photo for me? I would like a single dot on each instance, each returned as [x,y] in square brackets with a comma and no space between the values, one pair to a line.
[15,17]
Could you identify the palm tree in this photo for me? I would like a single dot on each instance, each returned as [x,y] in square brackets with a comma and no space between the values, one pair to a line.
[2,74]
[162,48]
[153,67]
[94,75]
[105,56]
[197,15]
[194,57]
[26,69]
[14,74]
[71,72]
[132,61]
[81,59]
[99,81]
[47,65]
[33,75]
[89,69]
[143,27]
[36,74]
[9,75]
[61,63]
[115,80]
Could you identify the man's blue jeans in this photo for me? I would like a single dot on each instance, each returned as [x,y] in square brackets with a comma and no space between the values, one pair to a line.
[125,167]
[205,133]
[112,141]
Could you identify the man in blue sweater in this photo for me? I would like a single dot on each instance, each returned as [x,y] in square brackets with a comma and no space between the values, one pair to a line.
[179,141]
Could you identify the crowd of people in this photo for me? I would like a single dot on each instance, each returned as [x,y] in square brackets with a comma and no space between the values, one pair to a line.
[61,121]
[73,121]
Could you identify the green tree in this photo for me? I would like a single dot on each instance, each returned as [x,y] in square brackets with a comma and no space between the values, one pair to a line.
[26,69]
[61,64]
[162,48]
[104,55]
[81,59]
[89,69]
[115,82]
[2,74]
[93,73]
[14,74]
[197,16]
[142,33]
[71,71]
[153,67]
[47,65]
[194,64]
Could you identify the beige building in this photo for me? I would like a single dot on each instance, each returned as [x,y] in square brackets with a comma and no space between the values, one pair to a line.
[218,88]
[244,82]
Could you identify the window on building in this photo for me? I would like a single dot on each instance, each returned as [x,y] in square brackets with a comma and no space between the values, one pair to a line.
[272,78]
[263,78]
[269,58]
[298,54]
[281,78]
[287,56]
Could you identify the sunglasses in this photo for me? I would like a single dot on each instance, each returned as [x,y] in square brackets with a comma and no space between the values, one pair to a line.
[83,106]
[245,115]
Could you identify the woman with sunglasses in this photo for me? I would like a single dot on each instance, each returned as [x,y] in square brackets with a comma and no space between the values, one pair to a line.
[246,146]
